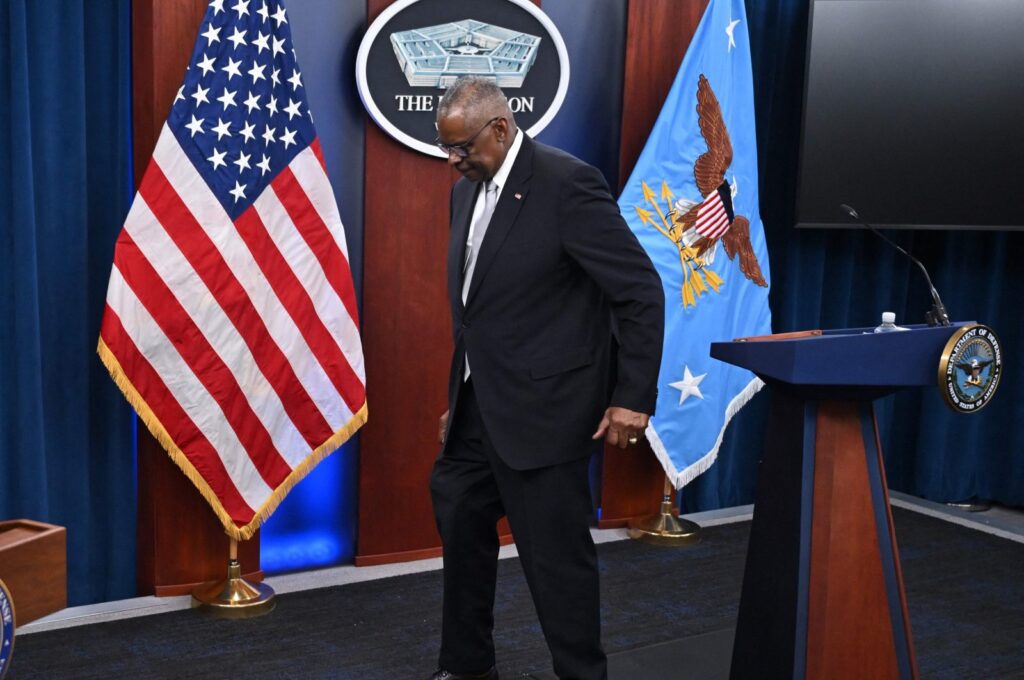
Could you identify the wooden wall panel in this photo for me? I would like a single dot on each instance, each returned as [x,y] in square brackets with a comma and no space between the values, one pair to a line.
[657,35]
[408,346]
[180,542]
[407,343]
[658,32]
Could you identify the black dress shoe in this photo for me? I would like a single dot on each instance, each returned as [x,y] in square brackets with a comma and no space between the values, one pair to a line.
[441,674]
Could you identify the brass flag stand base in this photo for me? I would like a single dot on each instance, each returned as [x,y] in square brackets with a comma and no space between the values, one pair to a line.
[234,598]
[664,528]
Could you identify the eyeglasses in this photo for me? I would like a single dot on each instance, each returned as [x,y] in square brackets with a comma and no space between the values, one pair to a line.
[462,150]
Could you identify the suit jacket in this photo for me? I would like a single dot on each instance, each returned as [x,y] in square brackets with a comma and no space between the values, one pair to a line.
[556,266]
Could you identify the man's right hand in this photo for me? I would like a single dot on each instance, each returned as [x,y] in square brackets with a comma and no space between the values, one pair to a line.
[442,426]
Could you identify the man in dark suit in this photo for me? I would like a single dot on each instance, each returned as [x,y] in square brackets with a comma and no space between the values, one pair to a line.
[540,263]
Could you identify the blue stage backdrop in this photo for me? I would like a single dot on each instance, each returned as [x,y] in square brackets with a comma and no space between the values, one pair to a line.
[589,123]
[66,434]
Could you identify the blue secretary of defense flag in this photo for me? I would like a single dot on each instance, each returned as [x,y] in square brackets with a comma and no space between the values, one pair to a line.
[692,201]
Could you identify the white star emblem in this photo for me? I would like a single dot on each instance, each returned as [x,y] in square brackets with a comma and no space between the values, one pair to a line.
[243,161]
[253,102]
[288,137]
[263,12]
[206,64]
[218,6]
[262,42]
[247,131]
[268,135]
[232,68]
[200,95]
[227,99]
[278,47]
[212,35]
[296,79]
[279,16]
[238,192]
[223,128]
[196,125]
[292,109]
[256,72]
[274,76]
[241,7]
[688,385]
[179,95]
[238,37]
[264,165]
[272,106]
[217,158]
[729,30]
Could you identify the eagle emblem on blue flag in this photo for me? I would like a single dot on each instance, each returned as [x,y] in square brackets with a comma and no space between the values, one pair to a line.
[697,227]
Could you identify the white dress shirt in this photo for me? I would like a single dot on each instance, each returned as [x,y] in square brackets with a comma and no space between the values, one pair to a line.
[500,179]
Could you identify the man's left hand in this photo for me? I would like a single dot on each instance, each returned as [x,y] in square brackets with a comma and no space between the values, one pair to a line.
[622,427]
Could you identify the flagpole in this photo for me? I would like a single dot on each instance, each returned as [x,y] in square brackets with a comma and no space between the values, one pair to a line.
[664,528]
[234,597]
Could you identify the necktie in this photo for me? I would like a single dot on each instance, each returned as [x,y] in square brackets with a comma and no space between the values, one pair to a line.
[476,239]
[476,235]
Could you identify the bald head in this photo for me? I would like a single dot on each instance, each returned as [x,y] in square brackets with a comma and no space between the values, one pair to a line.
[474,97]
[475,127]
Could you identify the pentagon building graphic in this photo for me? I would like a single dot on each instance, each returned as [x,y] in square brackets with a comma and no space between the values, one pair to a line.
[436,55]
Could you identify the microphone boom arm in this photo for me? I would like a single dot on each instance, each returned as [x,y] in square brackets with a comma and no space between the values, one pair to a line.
[937,315]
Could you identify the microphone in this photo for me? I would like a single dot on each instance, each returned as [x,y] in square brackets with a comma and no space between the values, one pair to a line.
[936,316]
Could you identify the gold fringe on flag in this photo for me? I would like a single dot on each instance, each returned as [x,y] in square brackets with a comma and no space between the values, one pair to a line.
[158,431]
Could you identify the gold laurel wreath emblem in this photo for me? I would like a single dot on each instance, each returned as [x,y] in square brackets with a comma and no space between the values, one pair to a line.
[698,277]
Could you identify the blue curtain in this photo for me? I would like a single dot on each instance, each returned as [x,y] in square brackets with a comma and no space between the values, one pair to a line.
[837,279]
[66,434]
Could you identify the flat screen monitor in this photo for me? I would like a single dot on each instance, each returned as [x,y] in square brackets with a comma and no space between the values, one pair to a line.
[914,114]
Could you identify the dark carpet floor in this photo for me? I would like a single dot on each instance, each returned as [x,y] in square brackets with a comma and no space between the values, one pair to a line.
[965,591]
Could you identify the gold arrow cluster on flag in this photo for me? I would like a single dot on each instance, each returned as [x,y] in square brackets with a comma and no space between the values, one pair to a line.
[698,277]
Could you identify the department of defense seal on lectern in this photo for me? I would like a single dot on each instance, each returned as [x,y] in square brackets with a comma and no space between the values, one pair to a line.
[970,367]
[6,629]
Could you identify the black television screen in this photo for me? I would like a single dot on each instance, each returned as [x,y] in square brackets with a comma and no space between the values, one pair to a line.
[914,114]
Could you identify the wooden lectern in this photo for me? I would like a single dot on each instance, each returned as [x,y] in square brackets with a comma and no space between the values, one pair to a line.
[822,590]
[33,564]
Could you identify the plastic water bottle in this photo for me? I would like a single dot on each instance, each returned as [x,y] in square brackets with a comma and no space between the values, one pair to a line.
[889,324]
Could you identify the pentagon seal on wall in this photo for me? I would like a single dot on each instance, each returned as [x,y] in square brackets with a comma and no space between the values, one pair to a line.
[970,368]
[415,49]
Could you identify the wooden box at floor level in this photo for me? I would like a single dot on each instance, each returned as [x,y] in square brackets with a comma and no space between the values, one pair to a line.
[33,564]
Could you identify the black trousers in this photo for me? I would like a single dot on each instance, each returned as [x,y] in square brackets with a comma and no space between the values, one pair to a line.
[549,511]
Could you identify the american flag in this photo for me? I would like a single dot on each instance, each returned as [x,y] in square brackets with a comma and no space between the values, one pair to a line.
[715,215]
[231,322]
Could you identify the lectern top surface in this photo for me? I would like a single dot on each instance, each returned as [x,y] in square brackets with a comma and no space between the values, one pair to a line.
[847,357]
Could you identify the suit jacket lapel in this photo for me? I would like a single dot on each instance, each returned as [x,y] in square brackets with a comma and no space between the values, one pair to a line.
[513,194]
[462,211]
